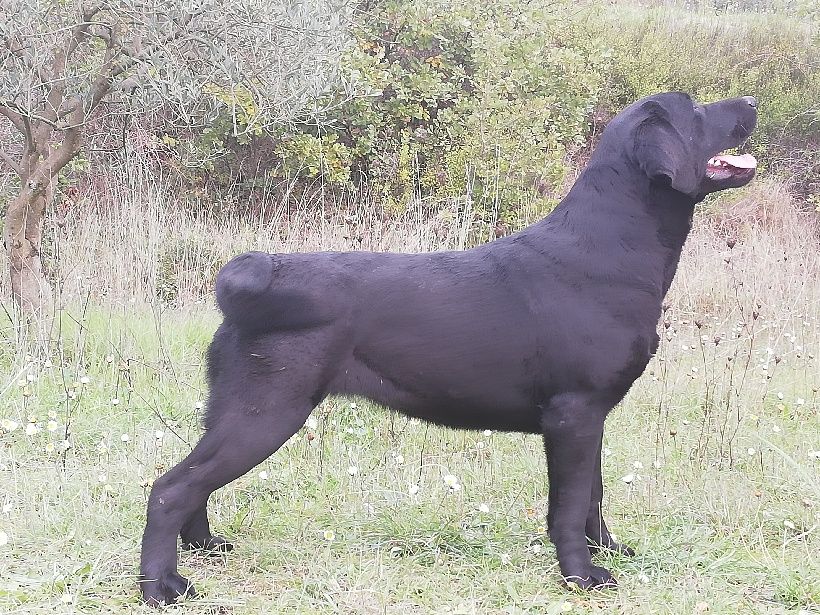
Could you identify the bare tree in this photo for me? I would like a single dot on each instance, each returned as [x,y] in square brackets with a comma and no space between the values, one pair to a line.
[62,62]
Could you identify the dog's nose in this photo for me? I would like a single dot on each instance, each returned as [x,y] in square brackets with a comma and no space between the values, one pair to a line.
[751,101]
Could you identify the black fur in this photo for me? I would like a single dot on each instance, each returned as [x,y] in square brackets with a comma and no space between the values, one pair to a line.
[540,332]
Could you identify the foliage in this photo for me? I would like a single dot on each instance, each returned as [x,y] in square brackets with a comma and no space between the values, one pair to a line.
[303,153]
[484,100]
[487,100]
[251,62]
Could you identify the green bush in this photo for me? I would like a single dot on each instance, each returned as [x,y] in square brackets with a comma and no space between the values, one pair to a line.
[480,99]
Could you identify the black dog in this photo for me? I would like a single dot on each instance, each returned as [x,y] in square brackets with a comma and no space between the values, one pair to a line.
[543,331]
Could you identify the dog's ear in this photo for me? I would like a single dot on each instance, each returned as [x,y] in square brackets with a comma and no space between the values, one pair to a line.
[663,153]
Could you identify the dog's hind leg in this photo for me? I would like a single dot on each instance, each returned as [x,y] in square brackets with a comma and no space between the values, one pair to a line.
[597,532]
[196,534]
[243,436]
[573,425]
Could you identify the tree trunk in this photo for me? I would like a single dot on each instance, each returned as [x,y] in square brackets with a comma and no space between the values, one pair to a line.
[23,232]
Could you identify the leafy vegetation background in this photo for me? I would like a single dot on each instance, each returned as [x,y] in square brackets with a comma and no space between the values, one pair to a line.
[498,100]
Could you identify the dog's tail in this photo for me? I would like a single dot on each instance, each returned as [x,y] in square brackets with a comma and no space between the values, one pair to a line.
[249,293]
[241,287]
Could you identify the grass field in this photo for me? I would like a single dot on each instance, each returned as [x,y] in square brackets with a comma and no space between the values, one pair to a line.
[711,463]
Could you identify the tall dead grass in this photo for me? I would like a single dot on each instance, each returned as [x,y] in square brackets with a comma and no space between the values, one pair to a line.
[132,239]
[766,248]
[135,240]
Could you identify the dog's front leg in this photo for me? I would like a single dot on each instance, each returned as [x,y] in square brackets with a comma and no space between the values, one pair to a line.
[597,532]
[573,427]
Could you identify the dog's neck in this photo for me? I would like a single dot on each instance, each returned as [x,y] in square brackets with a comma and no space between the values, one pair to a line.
[640,218]
[624,196]
[674,212]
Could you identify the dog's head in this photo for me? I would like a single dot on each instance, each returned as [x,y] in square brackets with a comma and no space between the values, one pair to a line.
[677,142]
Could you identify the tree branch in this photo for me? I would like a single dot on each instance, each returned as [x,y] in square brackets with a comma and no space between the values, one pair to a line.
[14,116]
[17,116]
[49,110]
[25,114]
[118,59]
[20,51]
[109,69]
[10,162]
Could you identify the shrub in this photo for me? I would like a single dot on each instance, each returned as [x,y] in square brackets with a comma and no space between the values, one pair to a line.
[479,99]
[485,103]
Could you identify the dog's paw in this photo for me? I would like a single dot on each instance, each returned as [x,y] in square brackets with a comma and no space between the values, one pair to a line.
[213,545]
[612,547]
[167,589]
[597,578]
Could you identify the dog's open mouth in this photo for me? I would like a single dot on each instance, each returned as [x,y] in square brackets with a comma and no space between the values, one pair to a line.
[725,166]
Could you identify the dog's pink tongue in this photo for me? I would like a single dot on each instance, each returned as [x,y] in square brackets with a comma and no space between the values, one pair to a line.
[744,161]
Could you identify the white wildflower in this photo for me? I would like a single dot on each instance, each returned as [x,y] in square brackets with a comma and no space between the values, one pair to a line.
[452,482]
